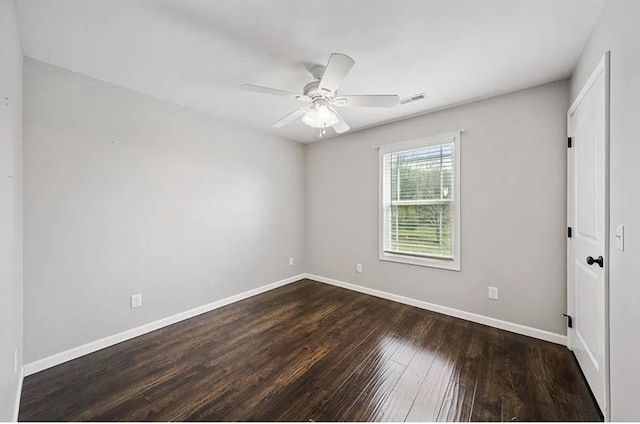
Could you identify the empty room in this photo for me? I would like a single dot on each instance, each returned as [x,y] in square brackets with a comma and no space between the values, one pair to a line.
[286,210]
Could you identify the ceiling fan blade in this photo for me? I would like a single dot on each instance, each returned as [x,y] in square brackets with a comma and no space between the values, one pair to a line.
[290,117]
[340,126]
[377,100]
[283,93]
[337,68]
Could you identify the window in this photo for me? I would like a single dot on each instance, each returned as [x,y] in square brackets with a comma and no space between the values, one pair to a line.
[420,201]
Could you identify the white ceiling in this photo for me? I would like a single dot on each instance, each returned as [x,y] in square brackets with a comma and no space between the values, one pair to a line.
[197,53]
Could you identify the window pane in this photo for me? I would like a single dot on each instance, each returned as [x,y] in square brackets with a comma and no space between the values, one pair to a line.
[424,230]
[422,174]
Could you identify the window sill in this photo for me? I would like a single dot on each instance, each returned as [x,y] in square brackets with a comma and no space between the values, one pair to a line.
[427,262]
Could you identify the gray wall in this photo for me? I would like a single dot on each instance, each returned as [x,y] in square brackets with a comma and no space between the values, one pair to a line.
[619,32]
[513,201]
[126,194]
[10,206]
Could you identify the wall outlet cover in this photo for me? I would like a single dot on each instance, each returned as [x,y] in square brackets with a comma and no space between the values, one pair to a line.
[136,300]
[493,293]
[291,260]
[358,267]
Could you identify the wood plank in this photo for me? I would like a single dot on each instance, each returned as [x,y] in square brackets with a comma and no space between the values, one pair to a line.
[372,403]
[394,408]
[377,368]
[458,402]
[517,400]
[435,386]
[487,402]
[431,335]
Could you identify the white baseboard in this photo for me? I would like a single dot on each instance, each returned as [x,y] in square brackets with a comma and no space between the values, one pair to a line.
[469,316]
[76,352]
[16,405]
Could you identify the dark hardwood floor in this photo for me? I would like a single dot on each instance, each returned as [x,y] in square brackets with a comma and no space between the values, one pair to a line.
[310,351]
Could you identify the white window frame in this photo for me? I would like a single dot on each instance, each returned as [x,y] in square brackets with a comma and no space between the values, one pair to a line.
[432,140]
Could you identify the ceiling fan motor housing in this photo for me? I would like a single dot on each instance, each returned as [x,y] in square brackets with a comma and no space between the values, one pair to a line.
[314,92]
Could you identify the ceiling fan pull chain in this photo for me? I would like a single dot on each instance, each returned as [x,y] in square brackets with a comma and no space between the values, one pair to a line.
[323,130]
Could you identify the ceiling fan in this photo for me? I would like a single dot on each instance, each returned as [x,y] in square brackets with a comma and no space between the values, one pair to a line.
[321,97]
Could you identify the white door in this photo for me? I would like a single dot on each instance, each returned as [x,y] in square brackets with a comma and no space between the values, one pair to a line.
[588,200]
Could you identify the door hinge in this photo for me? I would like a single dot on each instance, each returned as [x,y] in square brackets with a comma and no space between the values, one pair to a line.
[569,142]
[569,320]
[569,232]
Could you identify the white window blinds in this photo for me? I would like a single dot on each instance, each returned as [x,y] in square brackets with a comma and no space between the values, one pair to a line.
[419,211]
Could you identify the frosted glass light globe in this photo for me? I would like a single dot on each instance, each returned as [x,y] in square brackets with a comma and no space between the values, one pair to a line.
[320,116]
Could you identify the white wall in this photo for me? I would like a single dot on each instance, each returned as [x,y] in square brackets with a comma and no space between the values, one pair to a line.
[128,194]
[10,207]
[619,32]
[513,189]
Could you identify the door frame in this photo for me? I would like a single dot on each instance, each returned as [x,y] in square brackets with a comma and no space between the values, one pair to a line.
[602,67]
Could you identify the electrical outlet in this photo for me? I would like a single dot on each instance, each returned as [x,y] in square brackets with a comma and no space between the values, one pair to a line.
[15,361]
[493,293]
[291,261]
[358,267]
[136,300]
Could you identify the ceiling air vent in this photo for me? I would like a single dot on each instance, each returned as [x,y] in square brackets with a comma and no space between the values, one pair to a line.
[412,99]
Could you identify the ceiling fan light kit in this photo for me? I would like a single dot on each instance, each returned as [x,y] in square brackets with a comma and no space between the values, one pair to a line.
[320,116]
[321,96]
